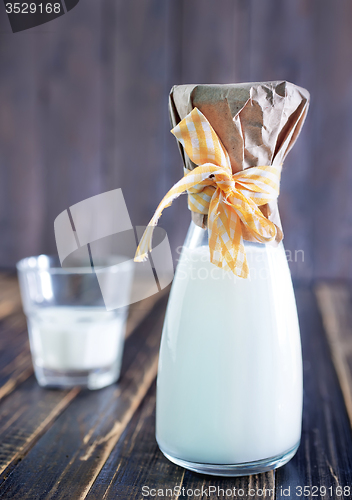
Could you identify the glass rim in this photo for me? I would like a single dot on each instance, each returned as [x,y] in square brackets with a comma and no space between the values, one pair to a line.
[42,263]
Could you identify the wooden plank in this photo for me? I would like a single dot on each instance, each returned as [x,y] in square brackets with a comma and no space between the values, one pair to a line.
[93,87]
[253,486]
[94,90]
[211,41]
[25,416]
[335,303]
[140,310]
[20,190]
[136,461]
[251,40]
[67,64]
[15,359]
[324,457]
[274,56]
[175,220]
[142,60]
[72,452]
[331,140]
[10,299]
[32,408]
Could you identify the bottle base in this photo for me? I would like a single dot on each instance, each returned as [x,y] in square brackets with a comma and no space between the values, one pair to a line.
[233,470]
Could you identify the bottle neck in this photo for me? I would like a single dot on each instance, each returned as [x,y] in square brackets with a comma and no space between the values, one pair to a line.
[197,237]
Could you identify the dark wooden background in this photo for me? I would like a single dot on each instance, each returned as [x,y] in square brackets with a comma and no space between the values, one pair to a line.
[83,109]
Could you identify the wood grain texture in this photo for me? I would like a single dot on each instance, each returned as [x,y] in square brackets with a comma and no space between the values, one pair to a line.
[324,457]
[29,411]
[98,444]
[72,452]
[141,63]
[84,110]
[283,40]
[25,416]
[136,462]
[15,359]
[210,31]
[335,303]
[332,128]
[140,310]
[20,207]
[10,299]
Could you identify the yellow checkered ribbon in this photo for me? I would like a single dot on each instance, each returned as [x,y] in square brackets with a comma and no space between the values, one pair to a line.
[230,200]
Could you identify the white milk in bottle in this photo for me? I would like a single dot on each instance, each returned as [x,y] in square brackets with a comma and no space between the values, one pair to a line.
[230,369]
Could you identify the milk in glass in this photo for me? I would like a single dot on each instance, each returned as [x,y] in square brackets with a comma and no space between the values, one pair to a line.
[76,338]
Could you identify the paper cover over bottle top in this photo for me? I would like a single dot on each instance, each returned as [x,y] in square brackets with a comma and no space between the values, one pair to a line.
[258,123]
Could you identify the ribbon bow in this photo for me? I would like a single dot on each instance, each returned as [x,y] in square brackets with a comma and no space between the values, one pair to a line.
[230,200]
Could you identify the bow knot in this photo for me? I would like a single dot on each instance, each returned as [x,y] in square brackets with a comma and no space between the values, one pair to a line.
[231,201]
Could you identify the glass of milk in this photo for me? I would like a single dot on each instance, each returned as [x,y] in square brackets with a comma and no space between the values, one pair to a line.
[229,388]
[75,339]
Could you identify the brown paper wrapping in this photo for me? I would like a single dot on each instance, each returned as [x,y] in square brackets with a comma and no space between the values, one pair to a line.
[258,123]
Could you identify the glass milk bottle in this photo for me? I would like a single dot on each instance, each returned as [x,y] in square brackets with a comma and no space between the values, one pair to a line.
[229,387]
[229,392]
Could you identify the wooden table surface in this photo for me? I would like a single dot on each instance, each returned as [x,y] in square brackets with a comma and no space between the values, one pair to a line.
[80,444]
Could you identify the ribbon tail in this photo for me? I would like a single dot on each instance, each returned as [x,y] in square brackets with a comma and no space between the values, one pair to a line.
[225,238]
[145,244]
[198,175]
[242,269]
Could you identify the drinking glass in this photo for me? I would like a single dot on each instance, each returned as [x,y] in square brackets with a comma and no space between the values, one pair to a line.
[76,319]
